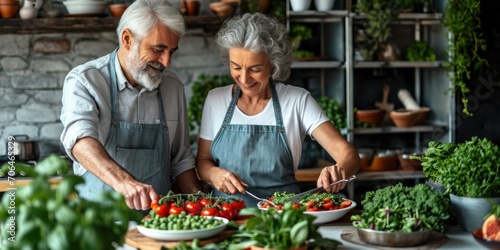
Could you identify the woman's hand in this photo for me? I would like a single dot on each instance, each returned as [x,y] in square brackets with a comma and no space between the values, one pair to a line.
[329,175]
[228,182]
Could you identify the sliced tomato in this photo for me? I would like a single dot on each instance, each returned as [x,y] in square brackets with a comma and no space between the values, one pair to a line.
[327,205]
[345,203]
[310,204]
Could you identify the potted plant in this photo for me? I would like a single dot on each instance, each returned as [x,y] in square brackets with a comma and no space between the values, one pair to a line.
[467,45]
[469,173]
[200,89]
[380,13]
[274,229]
[420,51]
[43,217]
[299,33]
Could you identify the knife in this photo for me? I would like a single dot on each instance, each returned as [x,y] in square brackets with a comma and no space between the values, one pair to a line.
[296,198]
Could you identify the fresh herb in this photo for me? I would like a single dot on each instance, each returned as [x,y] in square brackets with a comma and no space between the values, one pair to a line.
[420,51]
[462,18]
[468,169]
[495,209]
[404,209]
[279,230]
[42,217]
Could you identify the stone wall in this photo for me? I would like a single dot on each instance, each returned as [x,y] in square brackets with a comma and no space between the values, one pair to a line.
[33,68]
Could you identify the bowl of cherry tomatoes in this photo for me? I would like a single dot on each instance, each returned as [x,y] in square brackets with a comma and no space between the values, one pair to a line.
[325,207]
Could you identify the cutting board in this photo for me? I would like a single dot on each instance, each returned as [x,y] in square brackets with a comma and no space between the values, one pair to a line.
[137,240]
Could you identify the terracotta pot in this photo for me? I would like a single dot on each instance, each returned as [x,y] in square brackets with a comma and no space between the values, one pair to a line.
[117,10]
[372,116]
[192,7]
[404,118]
[9,10]
[221,8]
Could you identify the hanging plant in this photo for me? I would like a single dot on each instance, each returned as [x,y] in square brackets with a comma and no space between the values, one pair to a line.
[463,22]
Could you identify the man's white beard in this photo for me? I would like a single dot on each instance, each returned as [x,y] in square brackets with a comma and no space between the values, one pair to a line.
[139,70]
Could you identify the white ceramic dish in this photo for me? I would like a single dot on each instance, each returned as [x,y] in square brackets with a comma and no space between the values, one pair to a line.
[173,235]
[325,216]
[394,239]
[85,7]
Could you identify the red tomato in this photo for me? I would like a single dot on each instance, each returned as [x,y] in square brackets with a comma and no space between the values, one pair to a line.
[238,204]
[154,203]
[205,201]
[228,214]
[193,207]
[162,210]
[295,205]
[327,205]
[312,209]
[310,204]
[176,209]
[210,211]
[345,203]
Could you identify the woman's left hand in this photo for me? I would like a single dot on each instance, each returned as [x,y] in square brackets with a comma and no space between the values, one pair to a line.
[329,175]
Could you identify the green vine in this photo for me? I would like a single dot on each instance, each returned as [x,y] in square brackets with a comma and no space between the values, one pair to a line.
[462,20]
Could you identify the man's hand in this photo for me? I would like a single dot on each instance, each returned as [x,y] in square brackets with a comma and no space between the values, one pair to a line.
[137,195]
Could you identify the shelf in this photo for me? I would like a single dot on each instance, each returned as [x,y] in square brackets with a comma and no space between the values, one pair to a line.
[316,64]
[317,14]
[407,16]
[399,64]
[89,24]
[394,130]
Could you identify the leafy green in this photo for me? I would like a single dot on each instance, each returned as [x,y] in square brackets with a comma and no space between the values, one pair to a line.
[42,217]
[420,51]
[279,230]
[433,159]
[404,209]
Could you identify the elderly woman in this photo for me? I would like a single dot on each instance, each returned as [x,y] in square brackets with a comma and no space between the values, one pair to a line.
[252,131]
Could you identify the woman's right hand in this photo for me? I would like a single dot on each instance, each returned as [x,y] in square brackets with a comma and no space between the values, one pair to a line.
[228,182]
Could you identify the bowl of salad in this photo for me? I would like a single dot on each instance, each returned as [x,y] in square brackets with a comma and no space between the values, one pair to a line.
[325,207]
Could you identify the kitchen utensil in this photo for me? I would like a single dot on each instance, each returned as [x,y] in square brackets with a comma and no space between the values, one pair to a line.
[24,148]
[296,198]
[261,199]
[388,107]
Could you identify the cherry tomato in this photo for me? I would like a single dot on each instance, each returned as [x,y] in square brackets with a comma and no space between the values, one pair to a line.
[310,204]
[206,201]
[295,205]
[312,209]
[176,209]
[345,203]
[210,211]
[162,210]
[327,205]
[193,207]
[228,214]
[238,204]
[154,203]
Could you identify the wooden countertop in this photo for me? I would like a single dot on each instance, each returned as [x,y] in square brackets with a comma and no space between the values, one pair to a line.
[11,183]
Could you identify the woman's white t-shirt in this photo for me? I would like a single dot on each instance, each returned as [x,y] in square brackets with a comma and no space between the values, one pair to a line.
[301,115]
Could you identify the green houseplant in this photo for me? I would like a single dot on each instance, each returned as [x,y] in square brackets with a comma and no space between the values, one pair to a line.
[466,46]
[37,216]
[201,87]
[469,173]
[420,51]
[299,33]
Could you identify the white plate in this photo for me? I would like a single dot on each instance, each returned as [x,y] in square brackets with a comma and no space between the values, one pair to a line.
[183,234]
[325,216]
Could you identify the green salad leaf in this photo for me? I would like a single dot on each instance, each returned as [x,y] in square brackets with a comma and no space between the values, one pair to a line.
[404,209]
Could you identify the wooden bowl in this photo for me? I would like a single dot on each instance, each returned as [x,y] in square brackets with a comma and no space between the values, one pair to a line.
[404,118]
[221,8]
[372,116]
[117,10]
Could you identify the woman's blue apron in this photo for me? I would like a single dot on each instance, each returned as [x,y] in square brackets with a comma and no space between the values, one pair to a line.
[259,154]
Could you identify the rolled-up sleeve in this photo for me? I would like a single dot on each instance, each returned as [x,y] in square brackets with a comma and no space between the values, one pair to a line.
[82,106]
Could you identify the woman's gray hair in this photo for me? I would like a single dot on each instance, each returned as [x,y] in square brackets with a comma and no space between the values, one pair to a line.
[142,15]
[257,33]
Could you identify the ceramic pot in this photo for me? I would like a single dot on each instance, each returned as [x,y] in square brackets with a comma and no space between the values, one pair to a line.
[192,7]
[9,10]
[29,9]
[117,10]
[300,5]
[470,211]
[324,5]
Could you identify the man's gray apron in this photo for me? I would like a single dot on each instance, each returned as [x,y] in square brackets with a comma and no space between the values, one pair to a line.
[258,154]
[141,149]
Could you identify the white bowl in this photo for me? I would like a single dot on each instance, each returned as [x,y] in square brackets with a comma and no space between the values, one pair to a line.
[174,235]
[324,216]
[85,7]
